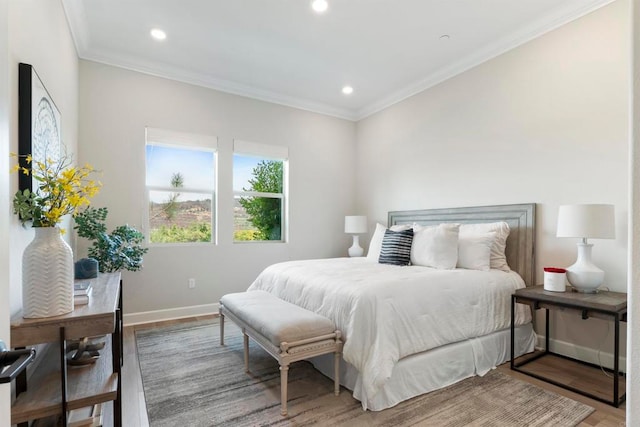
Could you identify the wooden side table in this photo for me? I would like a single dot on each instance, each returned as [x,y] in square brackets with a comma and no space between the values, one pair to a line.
[602,305]
[53,389]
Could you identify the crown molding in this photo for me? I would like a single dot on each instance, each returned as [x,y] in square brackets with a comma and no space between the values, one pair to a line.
[203,80]
[75,12]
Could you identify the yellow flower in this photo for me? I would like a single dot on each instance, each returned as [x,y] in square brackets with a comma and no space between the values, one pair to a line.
[74,200]
[68,174]
[61,190]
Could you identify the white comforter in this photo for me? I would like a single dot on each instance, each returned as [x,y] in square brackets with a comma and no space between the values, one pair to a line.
[388,312]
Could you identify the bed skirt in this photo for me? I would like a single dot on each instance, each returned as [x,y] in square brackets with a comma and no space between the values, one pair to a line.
[434,369]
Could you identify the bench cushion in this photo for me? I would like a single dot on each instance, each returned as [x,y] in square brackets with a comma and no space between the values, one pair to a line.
[275,319]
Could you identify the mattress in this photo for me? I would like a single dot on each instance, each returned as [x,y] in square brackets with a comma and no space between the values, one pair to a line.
[387,313]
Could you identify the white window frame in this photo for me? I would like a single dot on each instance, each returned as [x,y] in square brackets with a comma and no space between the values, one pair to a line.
[267,152]
[185,141]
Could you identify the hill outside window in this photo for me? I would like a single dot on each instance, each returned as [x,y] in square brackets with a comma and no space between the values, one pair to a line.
[180,187]
[259,189]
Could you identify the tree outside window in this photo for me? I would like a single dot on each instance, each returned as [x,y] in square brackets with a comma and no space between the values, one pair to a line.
[259,198]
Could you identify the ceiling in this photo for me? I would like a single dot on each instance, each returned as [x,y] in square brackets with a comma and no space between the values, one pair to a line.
[281,51]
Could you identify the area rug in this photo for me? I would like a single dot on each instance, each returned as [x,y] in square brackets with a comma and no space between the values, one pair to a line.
[190,380]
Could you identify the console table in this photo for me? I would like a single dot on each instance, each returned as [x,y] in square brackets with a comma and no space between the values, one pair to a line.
[54,389]
[611,306]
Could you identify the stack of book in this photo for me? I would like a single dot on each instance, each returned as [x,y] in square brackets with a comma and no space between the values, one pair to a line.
[81,292]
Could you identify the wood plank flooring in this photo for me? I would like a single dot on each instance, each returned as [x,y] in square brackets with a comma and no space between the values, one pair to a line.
[134,412]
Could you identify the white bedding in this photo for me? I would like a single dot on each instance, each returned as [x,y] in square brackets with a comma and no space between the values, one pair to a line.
[388,312]
[434,369]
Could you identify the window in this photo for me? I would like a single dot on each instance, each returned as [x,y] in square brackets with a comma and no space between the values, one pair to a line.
[180,185]
[259,188]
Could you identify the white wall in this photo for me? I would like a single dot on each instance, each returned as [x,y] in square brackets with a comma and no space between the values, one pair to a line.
[5,389]
[117,104]
[544,123]
[633,349]
[39,35]
[35,32]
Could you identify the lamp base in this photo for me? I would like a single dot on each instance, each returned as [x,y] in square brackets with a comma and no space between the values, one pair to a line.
[584,276]
[355,250]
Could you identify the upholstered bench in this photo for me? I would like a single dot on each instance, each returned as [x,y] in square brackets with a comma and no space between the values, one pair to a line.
[287,332]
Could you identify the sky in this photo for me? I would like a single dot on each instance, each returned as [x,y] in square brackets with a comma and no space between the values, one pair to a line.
[196,167]
[242,170]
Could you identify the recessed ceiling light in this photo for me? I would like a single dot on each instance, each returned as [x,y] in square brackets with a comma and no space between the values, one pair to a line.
[319,6]
[347,90]
[158,34]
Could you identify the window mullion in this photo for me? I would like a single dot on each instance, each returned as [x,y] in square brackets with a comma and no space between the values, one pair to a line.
[180,189]
[257,194]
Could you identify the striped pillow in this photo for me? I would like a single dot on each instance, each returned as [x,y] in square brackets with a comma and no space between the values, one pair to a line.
[396,247]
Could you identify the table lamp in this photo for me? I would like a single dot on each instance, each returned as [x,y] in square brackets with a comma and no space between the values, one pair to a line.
[355,225]
[586,221]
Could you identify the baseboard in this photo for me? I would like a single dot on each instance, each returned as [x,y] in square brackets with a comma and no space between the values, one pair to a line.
[169,314]
[585,354]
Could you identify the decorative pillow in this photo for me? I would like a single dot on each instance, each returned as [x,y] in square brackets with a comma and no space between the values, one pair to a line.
[498,257]
[376,241]
[396,247]
[474,251]
[435,246]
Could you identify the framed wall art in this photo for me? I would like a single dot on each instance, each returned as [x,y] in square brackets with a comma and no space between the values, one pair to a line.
[38,123]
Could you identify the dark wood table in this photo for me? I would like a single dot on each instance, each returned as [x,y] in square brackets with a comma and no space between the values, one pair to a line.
[603,305]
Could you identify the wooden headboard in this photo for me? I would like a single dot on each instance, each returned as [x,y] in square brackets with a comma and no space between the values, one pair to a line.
[521,220]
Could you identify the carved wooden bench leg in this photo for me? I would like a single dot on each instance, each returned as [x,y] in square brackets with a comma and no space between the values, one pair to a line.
[336,373]
[246,350]
[221,329]
[284,376]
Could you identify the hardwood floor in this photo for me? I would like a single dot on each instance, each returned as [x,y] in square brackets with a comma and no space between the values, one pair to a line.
[134,413]
[604,415]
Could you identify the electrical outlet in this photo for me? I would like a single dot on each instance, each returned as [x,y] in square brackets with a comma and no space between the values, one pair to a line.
[192,283]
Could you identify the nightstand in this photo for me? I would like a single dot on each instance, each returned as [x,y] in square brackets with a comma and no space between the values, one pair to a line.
[603,305]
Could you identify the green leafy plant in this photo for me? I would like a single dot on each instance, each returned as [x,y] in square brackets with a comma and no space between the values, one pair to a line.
[119,250]
[197,232]
[265,213]
[246,235]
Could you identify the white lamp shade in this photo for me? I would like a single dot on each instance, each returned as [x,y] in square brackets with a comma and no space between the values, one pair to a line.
[586,221]
[355,224]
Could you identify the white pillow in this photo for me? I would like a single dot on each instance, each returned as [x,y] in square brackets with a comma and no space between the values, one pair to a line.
[498,257]
[435,246]
[376,240]
[474,251]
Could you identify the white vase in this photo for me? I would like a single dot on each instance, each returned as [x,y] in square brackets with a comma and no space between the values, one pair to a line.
[47,275]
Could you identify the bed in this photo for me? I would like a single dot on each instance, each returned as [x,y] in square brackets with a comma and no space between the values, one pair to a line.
[411,330]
